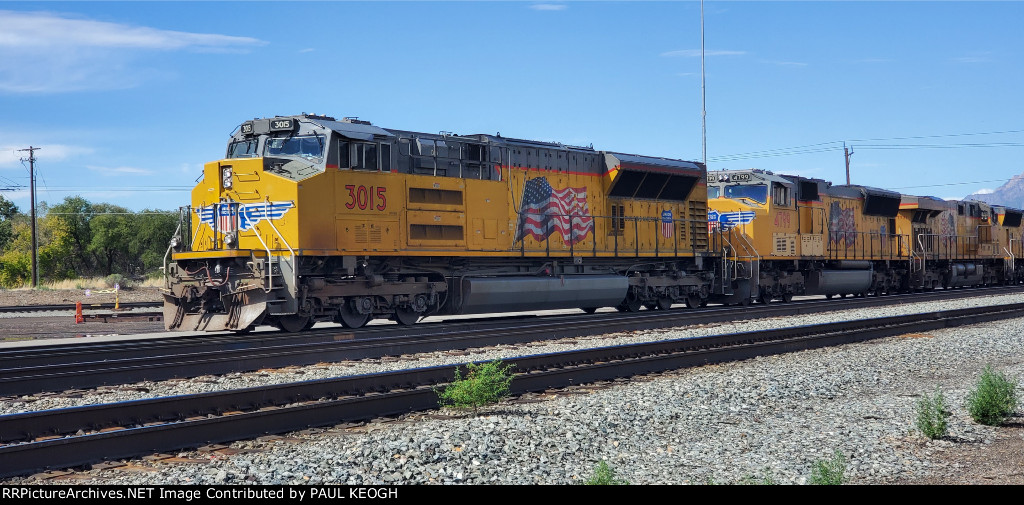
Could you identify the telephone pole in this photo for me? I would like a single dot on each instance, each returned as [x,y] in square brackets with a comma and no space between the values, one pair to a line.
[32,190]
[703,96]
[847,153]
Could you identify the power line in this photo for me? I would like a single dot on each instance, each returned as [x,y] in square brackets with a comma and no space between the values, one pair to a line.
[837,144]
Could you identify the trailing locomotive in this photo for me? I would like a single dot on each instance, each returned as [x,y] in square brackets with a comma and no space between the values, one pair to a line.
[310,218]
[806,236]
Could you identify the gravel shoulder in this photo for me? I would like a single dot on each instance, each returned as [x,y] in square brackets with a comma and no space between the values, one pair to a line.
[725,423]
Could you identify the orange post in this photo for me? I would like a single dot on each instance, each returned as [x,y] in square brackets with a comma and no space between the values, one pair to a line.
[79,318]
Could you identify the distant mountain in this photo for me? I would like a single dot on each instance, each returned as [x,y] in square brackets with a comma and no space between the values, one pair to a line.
[1010,194]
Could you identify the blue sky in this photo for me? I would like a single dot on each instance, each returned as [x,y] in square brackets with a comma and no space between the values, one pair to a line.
[128,99]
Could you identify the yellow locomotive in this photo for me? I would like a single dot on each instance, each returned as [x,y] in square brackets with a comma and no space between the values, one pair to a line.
[311,218]
[805,236]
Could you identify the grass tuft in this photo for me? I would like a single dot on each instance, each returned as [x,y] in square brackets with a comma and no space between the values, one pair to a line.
[483,384]
[605,476]
[829,472]
[933,415]
[993,398]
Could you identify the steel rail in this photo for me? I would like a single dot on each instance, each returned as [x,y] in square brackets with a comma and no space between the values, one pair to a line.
[71,307]
[57,368]
[139,427]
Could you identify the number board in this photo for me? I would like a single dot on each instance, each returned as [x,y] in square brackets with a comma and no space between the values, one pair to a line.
[740,177]
[247,128]
[282,125]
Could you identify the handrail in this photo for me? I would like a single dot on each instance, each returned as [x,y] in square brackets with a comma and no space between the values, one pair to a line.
[270,267]
[1013,259]
[167,255]
[295,267]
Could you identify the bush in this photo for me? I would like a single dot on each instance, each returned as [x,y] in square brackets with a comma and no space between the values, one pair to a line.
[605,476]
[829,473]
[932,415]
[993,399]
[120,280]
[483,385]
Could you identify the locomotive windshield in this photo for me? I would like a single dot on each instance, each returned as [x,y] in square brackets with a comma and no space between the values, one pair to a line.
[755,192]
[714,192]
[242,149]
[307,146]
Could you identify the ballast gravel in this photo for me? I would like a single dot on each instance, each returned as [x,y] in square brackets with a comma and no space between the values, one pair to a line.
[765,418]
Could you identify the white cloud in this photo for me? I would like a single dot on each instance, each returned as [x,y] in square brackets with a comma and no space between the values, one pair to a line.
[984,191]
[119,170]
[11,155]
[785,63]
[46,30]
[43,52]
[307,50]
[974,57]
[695,53]
[549,7]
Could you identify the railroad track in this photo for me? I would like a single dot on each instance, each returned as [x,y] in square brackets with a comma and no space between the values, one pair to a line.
[48,368]
[63,438]
[28,309]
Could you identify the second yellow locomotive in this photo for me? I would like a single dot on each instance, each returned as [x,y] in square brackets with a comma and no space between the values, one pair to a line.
[806,236]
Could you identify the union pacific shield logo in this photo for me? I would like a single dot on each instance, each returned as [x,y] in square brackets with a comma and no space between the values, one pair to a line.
[728,220]
[248,214]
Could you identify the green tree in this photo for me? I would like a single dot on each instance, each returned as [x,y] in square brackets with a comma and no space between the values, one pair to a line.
[68,226]
[7,213]
[153,230]
[111,238]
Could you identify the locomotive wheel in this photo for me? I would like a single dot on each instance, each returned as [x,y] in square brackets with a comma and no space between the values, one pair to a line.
[243,331]
[293,323]
[406,316]
[664,303]
[589,310]
[651,306]
[765,298]
[693,301]
[630,304]
[350,319]
[828,297]
[309,325]
[788,297]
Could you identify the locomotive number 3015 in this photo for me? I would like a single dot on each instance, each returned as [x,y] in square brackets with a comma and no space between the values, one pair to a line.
[363,197]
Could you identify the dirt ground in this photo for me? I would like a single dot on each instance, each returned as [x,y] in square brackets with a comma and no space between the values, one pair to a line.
[1001,462]
[27,296]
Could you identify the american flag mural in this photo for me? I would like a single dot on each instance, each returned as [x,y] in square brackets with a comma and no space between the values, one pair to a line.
[545,210]
[666,223]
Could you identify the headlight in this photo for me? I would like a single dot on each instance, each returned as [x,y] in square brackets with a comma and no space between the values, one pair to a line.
[175,242]
[229,239]
[225,176]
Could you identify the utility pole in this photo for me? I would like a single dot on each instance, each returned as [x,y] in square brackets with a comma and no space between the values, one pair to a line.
[847,153]
[703,96]
[32,190]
